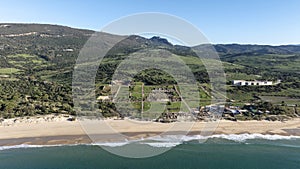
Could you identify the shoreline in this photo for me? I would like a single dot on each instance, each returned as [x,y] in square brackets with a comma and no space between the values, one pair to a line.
[60,131]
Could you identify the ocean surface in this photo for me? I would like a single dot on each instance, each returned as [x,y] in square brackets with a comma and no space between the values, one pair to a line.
[244,151]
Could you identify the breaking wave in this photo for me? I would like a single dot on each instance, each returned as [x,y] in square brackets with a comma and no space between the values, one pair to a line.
[29,146]
[168,141]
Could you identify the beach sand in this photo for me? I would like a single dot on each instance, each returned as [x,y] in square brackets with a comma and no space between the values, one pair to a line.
[48,130]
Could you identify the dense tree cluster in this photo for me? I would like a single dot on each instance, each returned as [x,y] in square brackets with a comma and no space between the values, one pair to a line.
[28,96]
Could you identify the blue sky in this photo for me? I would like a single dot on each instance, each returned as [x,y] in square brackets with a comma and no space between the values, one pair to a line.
[272,22]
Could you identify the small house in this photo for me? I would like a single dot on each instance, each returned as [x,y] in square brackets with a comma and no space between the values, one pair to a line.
[103,98]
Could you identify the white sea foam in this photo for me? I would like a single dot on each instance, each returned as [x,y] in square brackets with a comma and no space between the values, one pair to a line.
[28,146]
[162,144]
[112,144]
[245,137]
[174,140]
[166,138]
[170,140]
[233,137]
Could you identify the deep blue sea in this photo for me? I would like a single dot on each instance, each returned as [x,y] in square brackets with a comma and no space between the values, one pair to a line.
[215,153]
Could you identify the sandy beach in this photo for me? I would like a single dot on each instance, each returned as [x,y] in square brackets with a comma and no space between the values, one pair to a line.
[59,130]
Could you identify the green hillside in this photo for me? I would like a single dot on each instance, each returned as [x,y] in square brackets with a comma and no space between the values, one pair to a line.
[37,61]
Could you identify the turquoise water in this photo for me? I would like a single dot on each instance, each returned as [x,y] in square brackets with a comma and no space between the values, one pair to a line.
[216,153]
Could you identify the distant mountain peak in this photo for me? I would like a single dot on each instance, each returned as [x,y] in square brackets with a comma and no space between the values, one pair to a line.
[160,40]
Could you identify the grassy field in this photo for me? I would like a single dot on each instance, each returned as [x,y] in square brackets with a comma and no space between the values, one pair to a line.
[25,61]
[288,92]
[21,55]
[8,70]
[270,61]
[238,95]
[280,100]
[243,76]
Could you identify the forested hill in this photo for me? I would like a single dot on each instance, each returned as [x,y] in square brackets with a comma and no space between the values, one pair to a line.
[54,49]
[237,49]
[47,41]
[36,38]
[37,61]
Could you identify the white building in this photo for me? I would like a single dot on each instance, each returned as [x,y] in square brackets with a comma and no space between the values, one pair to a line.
[68,50]
[251,83]
[103,98]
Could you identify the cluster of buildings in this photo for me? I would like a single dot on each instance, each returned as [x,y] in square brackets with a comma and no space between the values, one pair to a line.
[206,112]
[254,83]
[230,111]
[251,83]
